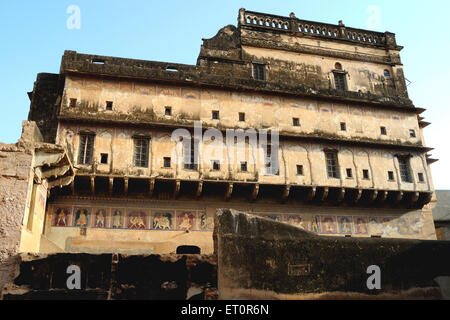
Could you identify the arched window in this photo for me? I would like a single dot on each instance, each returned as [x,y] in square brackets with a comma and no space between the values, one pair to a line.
[338,66]
[387,74]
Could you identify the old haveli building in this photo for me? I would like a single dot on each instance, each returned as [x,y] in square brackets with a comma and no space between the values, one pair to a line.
[352,159]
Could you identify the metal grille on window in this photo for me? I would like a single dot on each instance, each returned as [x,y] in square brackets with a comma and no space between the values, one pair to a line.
[190,147]
[405,171]
[86,149]
[332,165]
[141,153]
[259,71]
[339,81]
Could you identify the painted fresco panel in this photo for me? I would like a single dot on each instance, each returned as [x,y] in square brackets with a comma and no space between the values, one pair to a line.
[61,217]
[81,217]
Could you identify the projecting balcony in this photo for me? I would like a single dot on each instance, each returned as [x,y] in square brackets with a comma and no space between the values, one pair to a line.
[93,186]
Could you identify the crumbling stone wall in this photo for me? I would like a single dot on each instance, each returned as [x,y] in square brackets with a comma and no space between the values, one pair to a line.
[15,169]
[262,259]
[116,277]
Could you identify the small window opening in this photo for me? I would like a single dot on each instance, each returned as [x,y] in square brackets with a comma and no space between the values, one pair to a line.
[343,126]
[383,131]
[109,105]
[259,71]
[412,133]
[216,165]
[366,174]
[215,115]
[73,103]
[104,158]
[296,122]
[421,177]
[244,166]
[168,111]
[349,173]
[171,69]
[167,162]
[241,116]
[299,170]
[391,175]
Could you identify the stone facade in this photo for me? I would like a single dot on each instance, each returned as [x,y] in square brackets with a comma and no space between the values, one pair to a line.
[323,88]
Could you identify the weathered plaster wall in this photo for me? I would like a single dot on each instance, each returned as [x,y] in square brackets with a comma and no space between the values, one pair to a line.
[140,102]
[262,259]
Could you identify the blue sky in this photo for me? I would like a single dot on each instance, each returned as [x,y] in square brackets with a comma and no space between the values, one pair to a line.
[34,35]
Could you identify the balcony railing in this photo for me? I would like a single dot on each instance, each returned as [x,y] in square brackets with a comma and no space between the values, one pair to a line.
[315,29]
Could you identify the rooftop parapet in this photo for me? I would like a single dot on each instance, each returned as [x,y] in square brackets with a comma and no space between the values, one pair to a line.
[292,24]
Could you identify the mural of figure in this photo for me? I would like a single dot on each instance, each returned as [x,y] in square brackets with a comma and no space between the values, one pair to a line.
[345,225]
[81,218]
[315,225]
[361,226]
[136,220]
[295,221]
[374,227]
[186,221]
[162,221]
[388,230]
[206,223]
[117,219]
[403,228]
[100,219]
[328,225]
[416,225]
[61,217]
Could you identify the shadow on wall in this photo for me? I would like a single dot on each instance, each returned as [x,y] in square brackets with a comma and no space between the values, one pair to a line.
[260,258]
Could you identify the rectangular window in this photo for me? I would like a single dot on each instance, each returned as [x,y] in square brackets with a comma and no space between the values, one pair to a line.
[190,150]
[391,176]
[412,133]
[86,149]
[141,152]
[244,166]
[216,165]
[299,170]
[366,174]
[241,116]
[339,81]
[73,103]
[349,173]
[271,161]
[421,177]
[259,71]
[109,105]
[215,115]
[332,165]
[296,122]
[405,170]
[104,158]
[383,131]
[343,126]
[167,162]
[168,111]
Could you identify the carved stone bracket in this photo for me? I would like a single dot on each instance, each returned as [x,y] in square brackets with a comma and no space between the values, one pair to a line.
[229,191]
